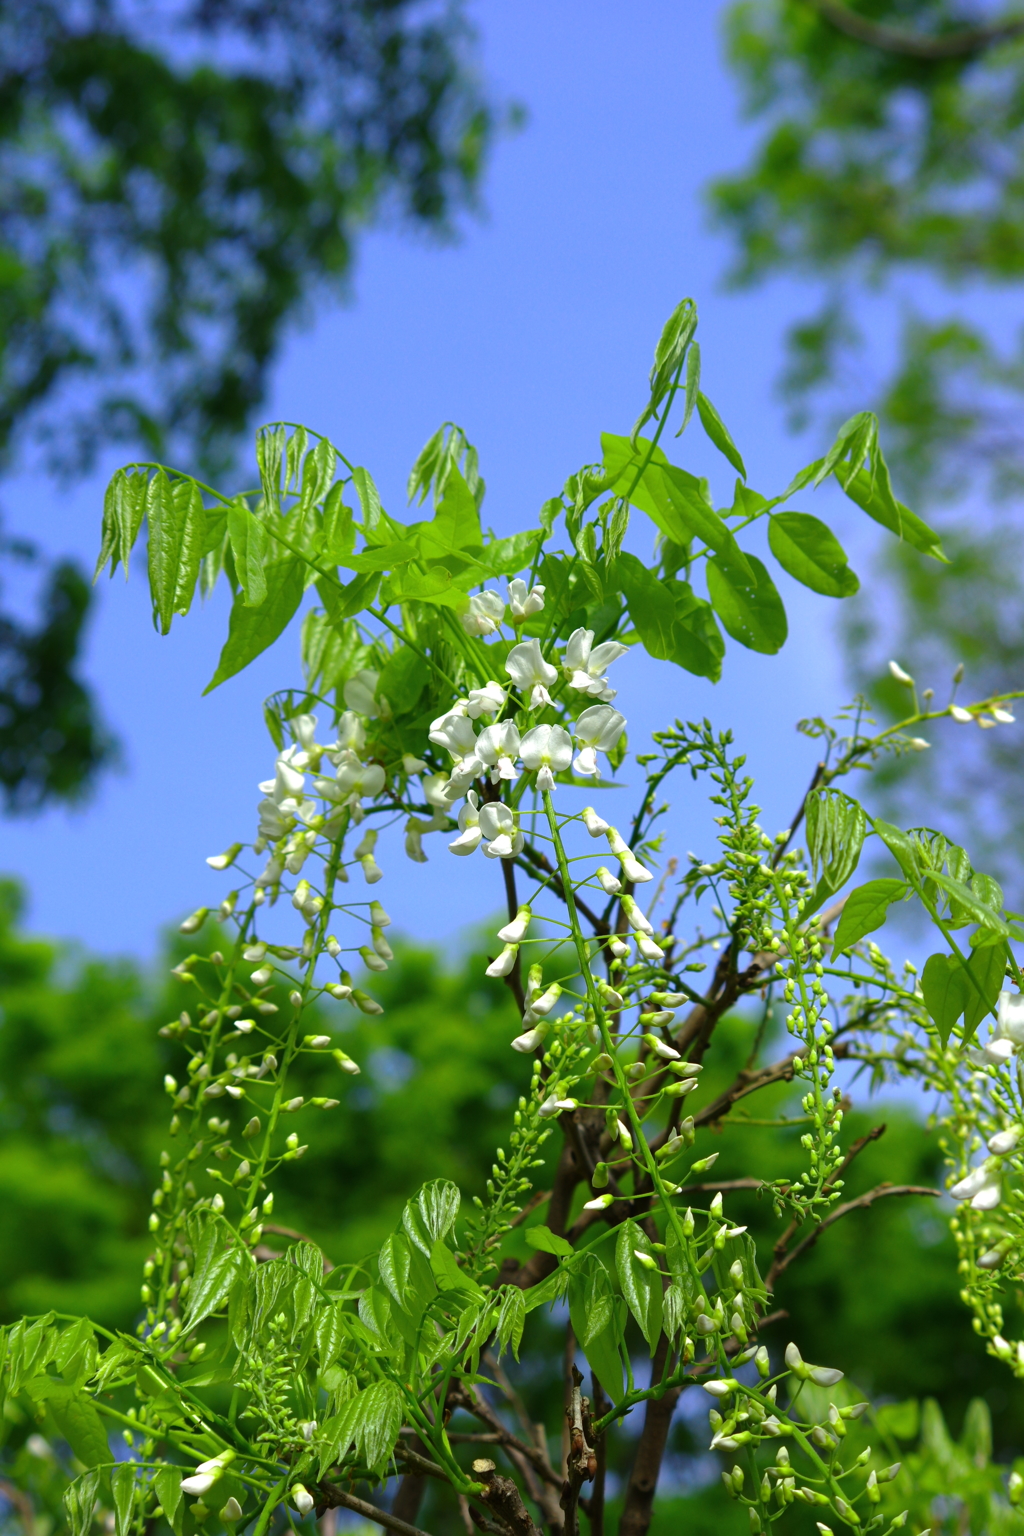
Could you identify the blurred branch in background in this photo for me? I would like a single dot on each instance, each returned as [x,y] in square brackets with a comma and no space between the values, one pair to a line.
[178,184]
[889,173]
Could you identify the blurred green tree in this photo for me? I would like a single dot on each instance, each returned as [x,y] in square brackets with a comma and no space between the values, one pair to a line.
[888,176]
[177,185]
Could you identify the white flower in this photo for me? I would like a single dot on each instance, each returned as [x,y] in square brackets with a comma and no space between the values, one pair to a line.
[412,765]
[198,1485]
[1010,1016]
[486,611]
[504,963]
[584,663]
[498,747]
[1005,1141]
[454,731]
[995,1053]
[485,701]
[414,831]
[540,1006]
[527,1043]
[531,673]
[289,779]
[635,917]
[963,715]
[351,735]
[548,749]
[524,604]
[901,677]
[596,730]
[981,1187]
[303,728]
[498,825]
[595,824]
[515,931]
[433,790]
[470,835]
[555,1106]
[1003,716]
[360,693]
[609,884]
[354,780]
[302,1500]
[650,950]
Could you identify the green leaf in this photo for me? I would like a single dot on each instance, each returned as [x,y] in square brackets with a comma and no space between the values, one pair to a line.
[317,473]
[945,986]
[80,1502]
[177,534]
[249,538]
[504,557]
[124,506]
[382,557]
[168,1490]
[900,845]
[673,623]
[836,825]
[640,1286]
[810,552]
[76,1419]
[433,586]
[252,630]
[344,602]
[380,1420]
[716,429]
[218,1263]
[448,1275]
[676,335]
[966,899]
[123,1481]
[546,1241]
[431,1214]
[402,679]
[369,500]
[751,611]
[874,496]
[597,1316]
[865,910]
[987,966]
[270,441]
[678,502]
[511,1320]
[456,523]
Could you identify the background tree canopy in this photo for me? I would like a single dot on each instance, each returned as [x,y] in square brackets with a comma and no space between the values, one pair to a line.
[888,177]
[176,185]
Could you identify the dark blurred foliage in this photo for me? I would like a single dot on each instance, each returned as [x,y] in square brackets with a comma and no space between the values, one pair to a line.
[888,175]
[83,1118]
[179,183]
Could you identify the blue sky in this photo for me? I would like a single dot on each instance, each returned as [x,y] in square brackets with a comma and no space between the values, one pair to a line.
[535,333]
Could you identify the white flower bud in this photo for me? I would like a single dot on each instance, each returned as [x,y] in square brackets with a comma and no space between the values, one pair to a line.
[600,1203]
[231,1512]
[964,716]
[302,1500]
[378,917]
[502,966]
[317,1042]
[527,1043]
[222,861]
[795,1361]
[595,824]
[515,931]
[193,923]
[635,917]
[366,1004]
[610,884]
[1004,1141]
[901,677]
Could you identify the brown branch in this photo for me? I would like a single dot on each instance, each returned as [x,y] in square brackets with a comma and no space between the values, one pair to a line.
[502,1497]
[474,1402]
[816,777]
[745,1084]
[333,1497]
[862,1202]
[406,1503]
[537,1198]
[914,45]
[581,1462]
[779,1251]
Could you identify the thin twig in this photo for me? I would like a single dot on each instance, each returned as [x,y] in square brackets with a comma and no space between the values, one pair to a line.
[961,44]
[337,1498]
[862,1202]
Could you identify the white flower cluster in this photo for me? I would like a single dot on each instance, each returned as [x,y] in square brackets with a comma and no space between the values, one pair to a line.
[486,611]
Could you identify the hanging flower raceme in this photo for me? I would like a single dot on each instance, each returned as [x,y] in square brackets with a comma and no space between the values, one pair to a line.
[596,730]
[584,663]
[498,826]
[524,604]
[548,750]
[282,803]
[498,747]
[454,731]
[532,675]
[486,611]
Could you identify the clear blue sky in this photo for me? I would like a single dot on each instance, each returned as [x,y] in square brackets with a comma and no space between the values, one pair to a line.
[535,333]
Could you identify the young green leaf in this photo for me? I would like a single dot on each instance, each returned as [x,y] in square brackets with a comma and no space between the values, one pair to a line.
[548,1242]
[249,539]
[511,1320]
[986,964]
[866,909]
[945,986]
[641,1286]
[177,534]
[167,1483]
[251,630]
[80,1502]
[810,552]
[874,496]
[719,434]
[124,506]
[751,611]
[669,355]
[431,1214]
[836,825]
[76,1419]
[122,1486]
[219,1261]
